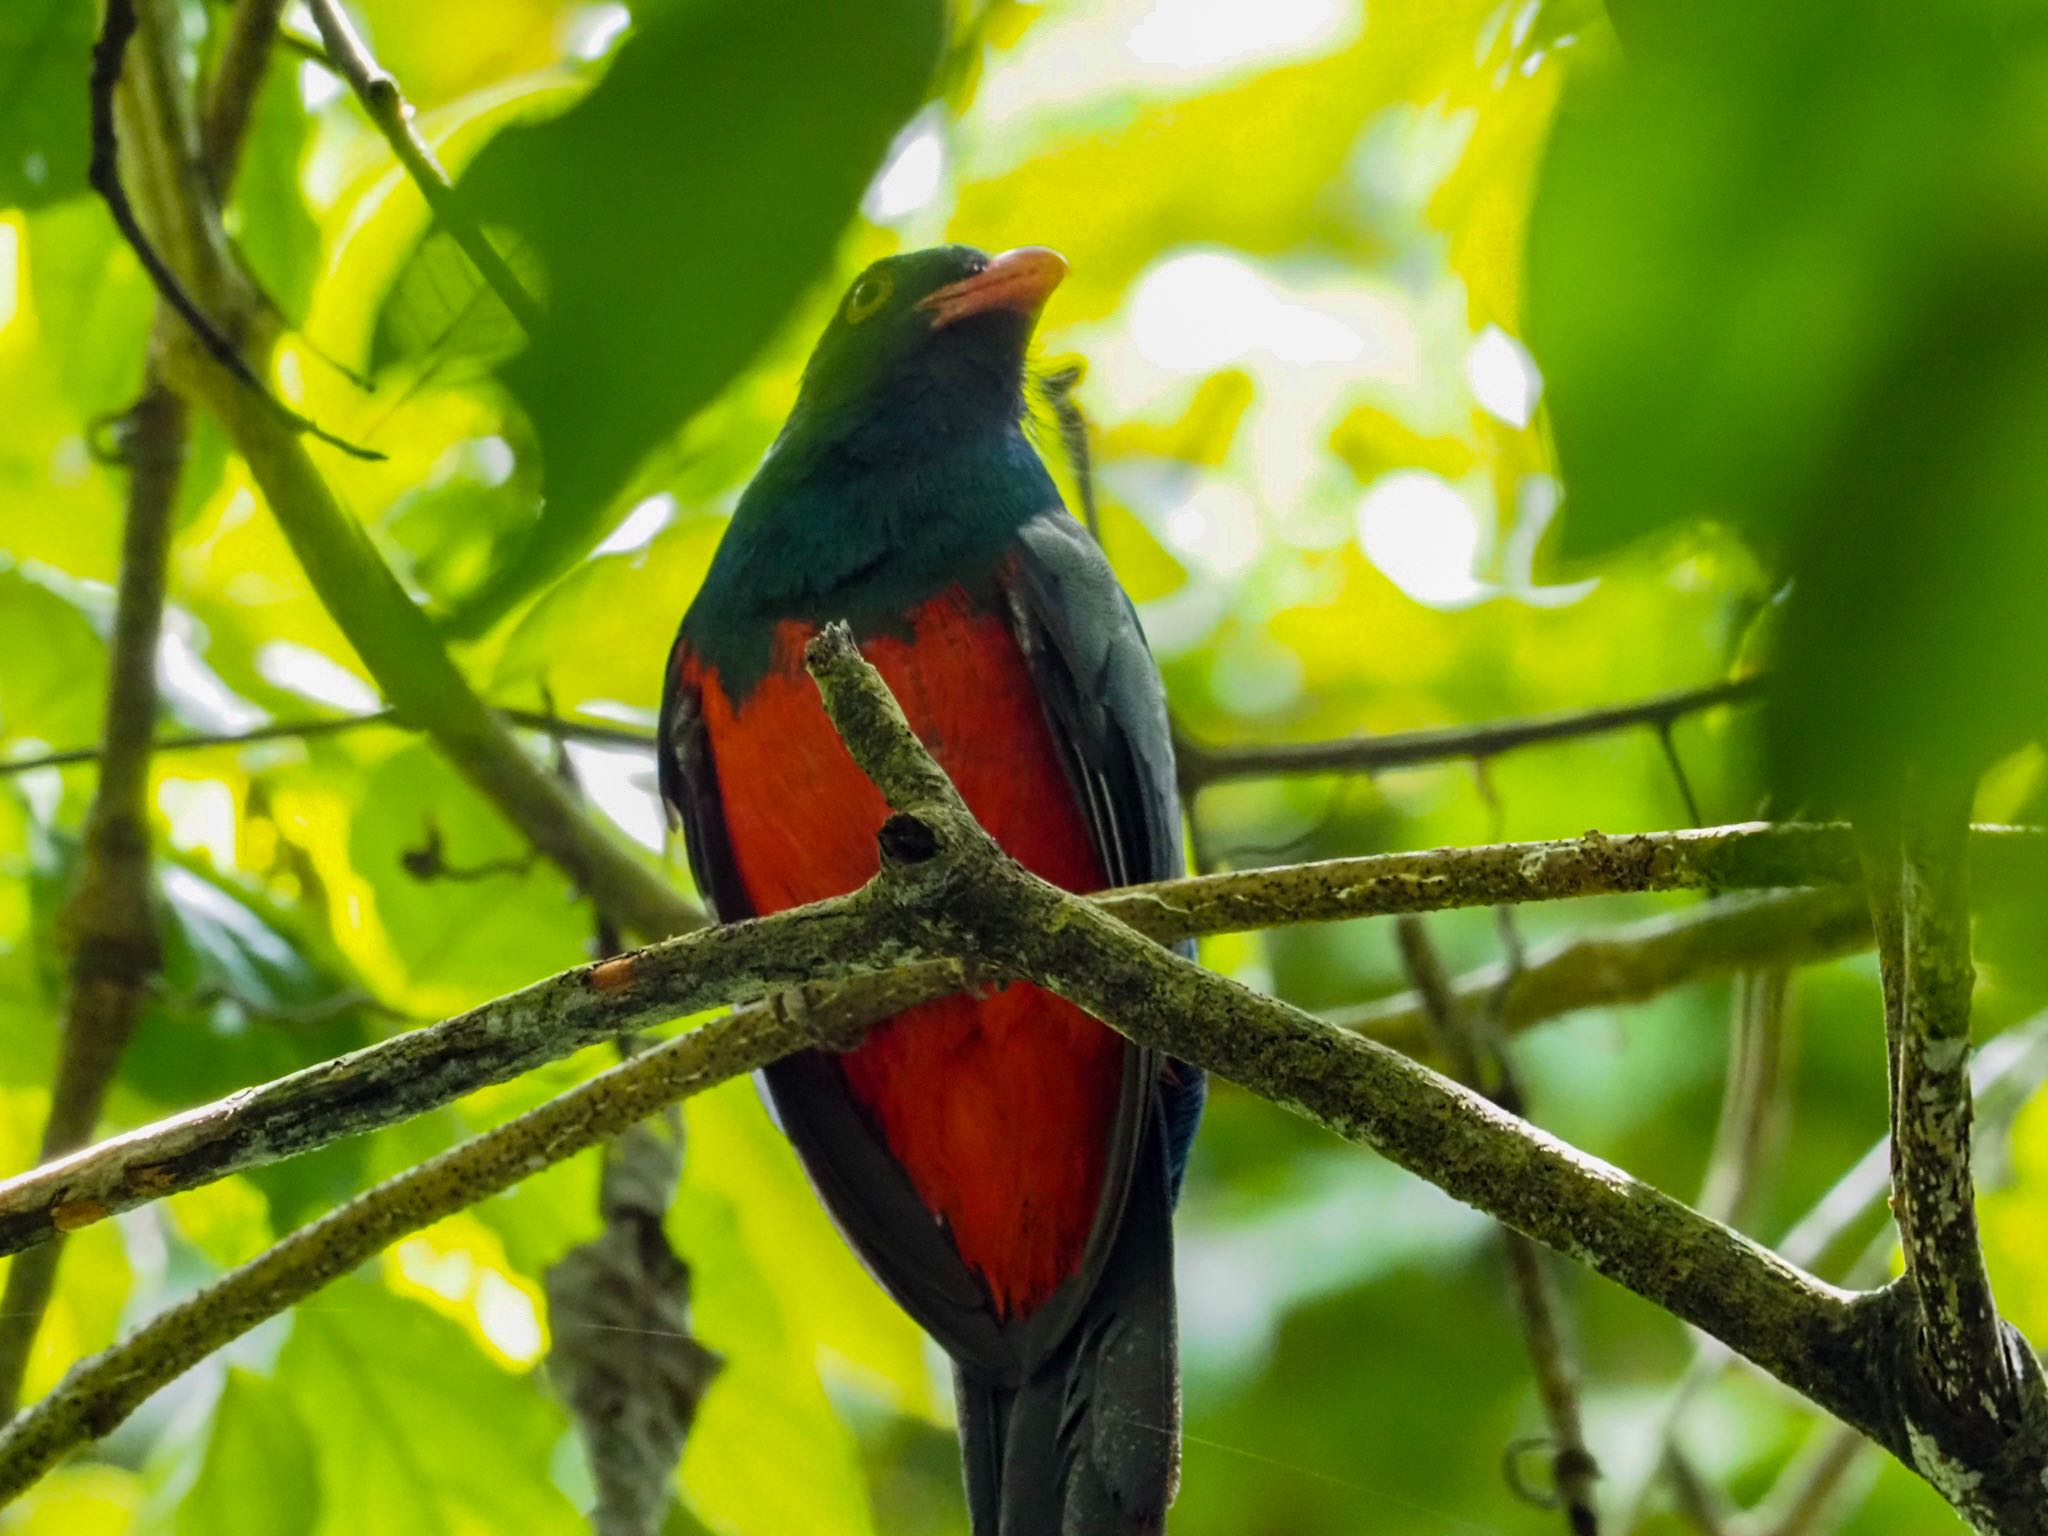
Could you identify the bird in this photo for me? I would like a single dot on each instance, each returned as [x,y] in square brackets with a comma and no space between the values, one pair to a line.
[1004,1164]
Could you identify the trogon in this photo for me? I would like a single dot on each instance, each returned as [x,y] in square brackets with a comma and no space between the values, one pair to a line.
[1005,1165]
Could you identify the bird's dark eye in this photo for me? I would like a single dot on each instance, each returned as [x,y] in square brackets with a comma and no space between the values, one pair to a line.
[869,295]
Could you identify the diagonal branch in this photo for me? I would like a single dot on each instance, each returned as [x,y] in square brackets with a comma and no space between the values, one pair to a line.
[945,891]
[386,106]
[101,1391]
[1838,1349]
[1635,963]
[2004,1078]
[1796,1327]
[411,1073]
[395,640]
[399,646]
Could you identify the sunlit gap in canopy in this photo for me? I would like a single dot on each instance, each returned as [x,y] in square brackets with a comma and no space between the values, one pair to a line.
[1079,55]
[620,782]
[1217,525]
[1196,311]
[461,1272]
[911,177]
[591,30]
[1424,537]
[640,526]
[1203,34]
[191,687]
[306,672]
[10,269]
[318,85]
[1503,377]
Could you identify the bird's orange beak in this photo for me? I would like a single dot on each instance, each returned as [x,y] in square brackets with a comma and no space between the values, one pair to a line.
[1020,280]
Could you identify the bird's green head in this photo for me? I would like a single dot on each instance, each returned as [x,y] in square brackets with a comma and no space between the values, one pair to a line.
[931,340]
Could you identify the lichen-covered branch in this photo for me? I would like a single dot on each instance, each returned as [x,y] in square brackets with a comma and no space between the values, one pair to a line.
[1840,1350]
[386,106]
[103,1390]
[1826,1238]
[1796,1327]
[1981,1387]
[411,1073]
[404,1076]
[1201,765]
[945,891]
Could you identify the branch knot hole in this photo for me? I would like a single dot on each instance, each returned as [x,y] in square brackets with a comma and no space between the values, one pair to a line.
[907,840]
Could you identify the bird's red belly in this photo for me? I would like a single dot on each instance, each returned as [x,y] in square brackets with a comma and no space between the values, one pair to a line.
[998,1107]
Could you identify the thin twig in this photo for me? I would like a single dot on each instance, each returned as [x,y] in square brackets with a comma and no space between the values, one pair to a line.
[1538,1307]
[1203,765]
[1815,1493]
[1698,1502]
[104,173]
[561,728]
[237,82]
[385,105]
[1752,1096]
[193,741]
[1668,743]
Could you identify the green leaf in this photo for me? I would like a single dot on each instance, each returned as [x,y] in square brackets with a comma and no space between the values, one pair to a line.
[242,1000]
[45,141]
[421,1433]
[489,918]
[678,212]
[260,1473]
[77,1500]
[53,683]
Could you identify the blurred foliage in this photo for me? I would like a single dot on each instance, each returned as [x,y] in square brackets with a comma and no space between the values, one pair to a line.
[1787,273]
[43,48]
[1778,309]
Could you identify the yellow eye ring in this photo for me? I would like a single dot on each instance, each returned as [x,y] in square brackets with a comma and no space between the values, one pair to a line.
[869,295]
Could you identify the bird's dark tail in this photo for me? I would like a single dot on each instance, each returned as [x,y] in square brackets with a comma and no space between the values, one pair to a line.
[1089,1445]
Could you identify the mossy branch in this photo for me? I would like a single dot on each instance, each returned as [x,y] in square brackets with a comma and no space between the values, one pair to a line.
[945,891]
[1841,1350]
[398,1078]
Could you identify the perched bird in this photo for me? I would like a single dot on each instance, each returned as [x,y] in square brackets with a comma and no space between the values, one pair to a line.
[1004,1164]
